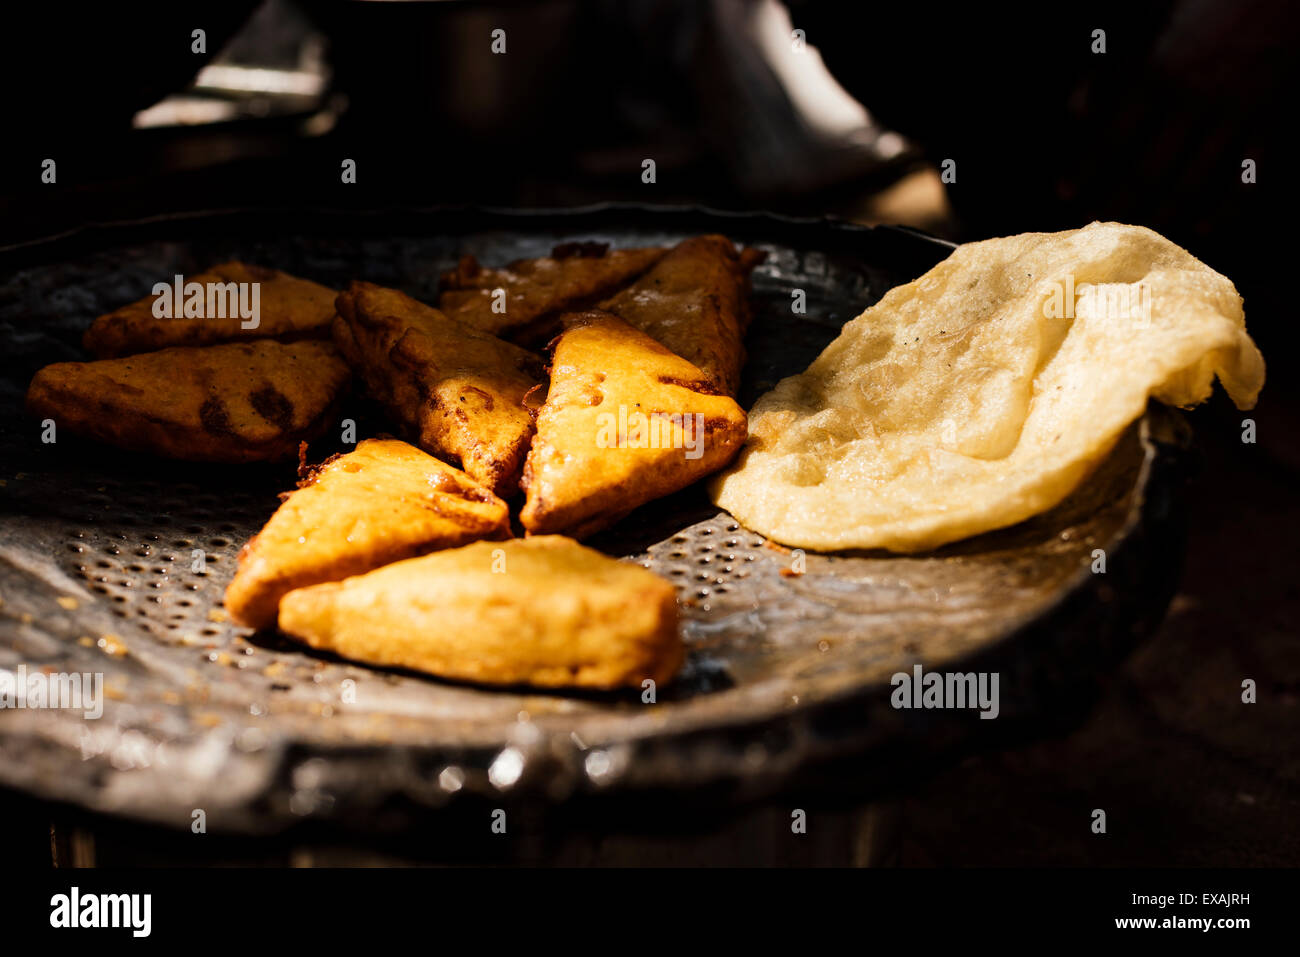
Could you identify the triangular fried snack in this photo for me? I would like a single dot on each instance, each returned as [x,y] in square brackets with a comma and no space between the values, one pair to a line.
[625,421]
[541,611]
[695,301]
[459,393]
[288,308]
[573,277]
[237,402]
[380,503]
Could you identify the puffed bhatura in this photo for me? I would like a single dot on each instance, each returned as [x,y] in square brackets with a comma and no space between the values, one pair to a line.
[985,391]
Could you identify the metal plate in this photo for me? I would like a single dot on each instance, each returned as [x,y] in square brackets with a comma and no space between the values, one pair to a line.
[786,673]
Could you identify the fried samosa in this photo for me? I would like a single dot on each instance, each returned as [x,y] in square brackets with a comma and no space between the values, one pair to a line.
[540,611]
[625,421]
[573,277]
[695,301]
[237,402]
[288,308]
[380,503]
[459,393]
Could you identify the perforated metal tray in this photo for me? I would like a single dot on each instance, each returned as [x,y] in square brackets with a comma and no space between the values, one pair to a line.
[786,674]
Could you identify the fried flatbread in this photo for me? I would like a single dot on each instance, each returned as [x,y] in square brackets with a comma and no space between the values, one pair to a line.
[540,611]
[289,308]
[573,277]
[237,402]
[625,421]
[380,503]
[458,392]
[984,392]
[695,301]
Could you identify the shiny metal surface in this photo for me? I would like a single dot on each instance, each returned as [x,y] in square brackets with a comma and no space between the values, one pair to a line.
[788,674]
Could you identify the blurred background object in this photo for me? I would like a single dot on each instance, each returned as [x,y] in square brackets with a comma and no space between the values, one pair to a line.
[273,68]
[812,107]
[553,102]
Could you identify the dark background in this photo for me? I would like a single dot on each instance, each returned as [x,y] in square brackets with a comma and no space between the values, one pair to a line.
[1045,134]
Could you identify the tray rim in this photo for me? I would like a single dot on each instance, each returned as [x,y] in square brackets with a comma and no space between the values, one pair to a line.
[87,232]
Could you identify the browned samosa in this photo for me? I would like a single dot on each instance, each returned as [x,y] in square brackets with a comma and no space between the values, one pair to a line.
[541,611]
[695,301]
[625,421]
[522,300]
[457,392]
[287,308]
[382,502]
[236,402]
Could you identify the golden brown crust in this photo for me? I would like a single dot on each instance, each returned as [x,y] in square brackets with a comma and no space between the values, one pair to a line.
[380,503]
[457,392]
[238,402]
[625,421]
[290,309]
[574,276]
[541,611]
[695,301]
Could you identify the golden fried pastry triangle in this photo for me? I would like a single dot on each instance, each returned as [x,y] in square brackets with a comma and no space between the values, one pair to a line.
[625,421]
[380,503]
[237,402]
[541,611]
[287,308]
[695,301]
[573,277]
[458,392]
